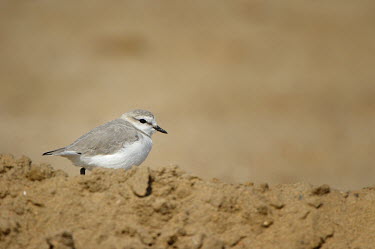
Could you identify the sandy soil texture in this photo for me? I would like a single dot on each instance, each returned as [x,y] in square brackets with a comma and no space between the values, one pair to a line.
[167,208]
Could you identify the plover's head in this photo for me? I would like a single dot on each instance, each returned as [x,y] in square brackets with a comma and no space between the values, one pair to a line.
[143,120]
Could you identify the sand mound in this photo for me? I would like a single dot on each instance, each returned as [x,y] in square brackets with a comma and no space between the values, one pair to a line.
[166,208]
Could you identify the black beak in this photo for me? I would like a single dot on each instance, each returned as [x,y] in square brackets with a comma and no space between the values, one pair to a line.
[158,128]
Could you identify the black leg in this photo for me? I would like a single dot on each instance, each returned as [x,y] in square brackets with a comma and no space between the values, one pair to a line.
[82,171]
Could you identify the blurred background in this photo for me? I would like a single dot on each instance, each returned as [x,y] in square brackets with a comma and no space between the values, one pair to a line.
[260,91]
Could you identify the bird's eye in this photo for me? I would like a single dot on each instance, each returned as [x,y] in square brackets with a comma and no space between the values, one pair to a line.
[142,121]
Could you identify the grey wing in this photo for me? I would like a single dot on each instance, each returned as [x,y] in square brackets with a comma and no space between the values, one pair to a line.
[105,139]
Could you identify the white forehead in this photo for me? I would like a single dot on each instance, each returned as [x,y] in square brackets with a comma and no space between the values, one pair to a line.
[137,114]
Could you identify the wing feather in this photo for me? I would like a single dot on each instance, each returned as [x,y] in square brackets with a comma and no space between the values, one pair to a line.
[105,139]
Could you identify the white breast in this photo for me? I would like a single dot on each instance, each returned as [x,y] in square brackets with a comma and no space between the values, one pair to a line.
[131,154]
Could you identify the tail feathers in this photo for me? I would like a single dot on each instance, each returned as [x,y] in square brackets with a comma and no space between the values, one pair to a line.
[54,152]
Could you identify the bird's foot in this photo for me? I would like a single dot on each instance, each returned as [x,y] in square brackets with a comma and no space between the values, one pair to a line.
[82,171]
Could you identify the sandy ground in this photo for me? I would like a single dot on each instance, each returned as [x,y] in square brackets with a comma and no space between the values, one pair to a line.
[167,208]
[262,91]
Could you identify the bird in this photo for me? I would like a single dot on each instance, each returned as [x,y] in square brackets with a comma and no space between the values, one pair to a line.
[119,144]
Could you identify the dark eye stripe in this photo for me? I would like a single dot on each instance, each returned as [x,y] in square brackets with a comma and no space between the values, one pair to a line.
[142,121]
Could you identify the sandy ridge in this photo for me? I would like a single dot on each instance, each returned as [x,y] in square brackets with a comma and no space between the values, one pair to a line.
[167,208]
